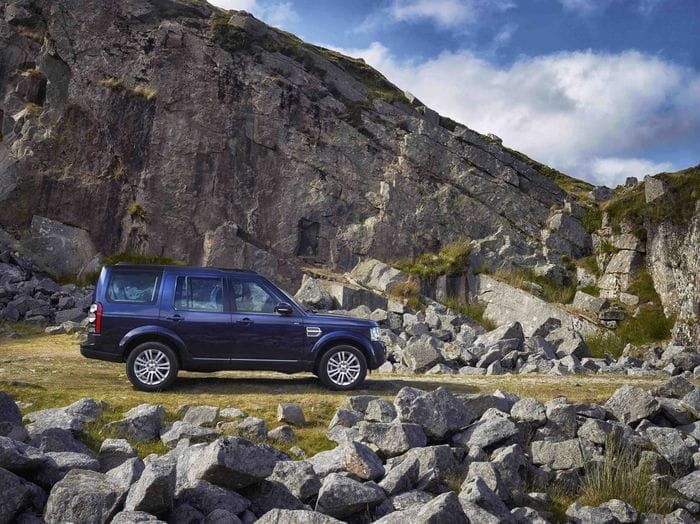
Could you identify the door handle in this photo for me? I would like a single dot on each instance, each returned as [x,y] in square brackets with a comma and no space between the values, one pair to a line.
[245,322]
[174,318]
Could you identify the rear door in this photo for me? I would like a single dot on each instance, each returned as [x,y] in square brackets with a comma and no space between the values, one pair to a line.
[195,307]
[260,333]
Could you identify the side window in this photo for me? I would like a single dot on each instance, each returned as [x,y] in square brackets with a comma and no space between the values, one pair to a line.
[199,294]
[133,287]
[251,297]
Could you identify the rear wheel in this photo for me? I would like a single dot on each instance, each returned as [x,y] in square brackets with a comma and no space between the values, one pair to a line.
[152,366]
[342,368]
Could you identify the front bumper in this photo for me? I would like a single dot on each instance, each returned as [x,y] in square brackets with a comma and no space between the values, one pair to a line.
[379,350]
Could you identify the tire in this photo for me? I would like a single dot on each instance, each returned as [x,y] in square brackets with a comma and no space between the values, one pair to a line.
[342,377]
[156,354]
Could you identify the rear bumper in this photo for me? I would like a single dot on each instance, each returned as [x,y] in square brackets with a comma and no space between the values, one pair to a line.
[91,349]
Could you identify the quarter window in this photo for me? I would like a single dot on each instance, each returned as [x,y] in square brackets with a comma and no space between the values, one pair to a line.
[133,287]
[251,297]
[199,294]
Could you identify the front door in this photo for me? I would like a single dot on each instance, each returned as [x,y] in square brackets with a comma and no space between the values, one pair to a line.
[261,334]
[197,312]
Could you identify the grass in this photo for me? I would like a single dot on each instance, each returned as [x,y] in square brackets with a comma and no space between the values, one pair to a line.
[48,371]
[137,212]
[643,286]
[144,91]
[473,310]
[607,247]
[617,477]
[409,293]
[589,263]
[677,206]
[591,289]
[113,83]
[592,219]
[551,290]
[651,325]
[450,260]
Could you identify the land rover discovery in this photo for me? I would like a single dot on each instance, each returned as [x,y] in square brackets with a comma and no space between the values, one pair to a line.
[162,319]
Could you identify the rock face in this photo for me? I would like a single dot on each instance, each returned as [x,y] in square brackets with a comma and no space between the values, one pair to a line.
[256,100]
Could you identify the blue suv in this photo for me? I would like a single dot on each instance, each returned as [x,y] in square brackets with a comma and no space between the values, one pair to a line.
[161,319]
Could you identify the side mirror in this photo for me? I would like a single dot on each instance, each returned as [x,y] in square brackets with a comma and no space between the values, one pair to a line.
[284,309]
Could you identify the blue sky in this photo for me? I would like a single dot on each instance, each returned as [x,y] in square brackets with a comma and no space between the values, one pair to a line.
[601,89]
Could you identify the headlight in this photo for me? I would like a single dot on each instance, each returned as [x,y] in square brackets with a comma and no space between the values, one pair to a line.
[374,334]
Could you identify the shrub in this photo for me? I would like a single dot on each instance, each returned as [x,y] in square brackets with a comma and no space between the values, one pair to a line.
[473,310]
[450,260]
[409,293]
[602,342]
[590,263]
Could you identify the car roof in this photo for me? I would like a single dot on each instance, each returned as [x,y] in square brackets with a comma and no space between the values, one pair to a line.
[181,269]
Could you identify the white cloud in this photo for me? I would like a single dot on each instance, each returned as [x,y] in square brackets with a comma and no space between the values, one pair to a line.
[612,171]
[575,111]
[279,14]
[444,13]
[589,7]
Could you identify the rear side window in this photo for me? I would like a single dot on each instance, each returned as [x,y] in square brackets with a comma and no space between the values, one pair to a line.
[199,294]
[133,287]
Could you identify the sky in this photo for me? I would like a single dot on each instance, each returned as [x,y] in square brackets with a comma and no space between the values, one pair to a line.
[599,89]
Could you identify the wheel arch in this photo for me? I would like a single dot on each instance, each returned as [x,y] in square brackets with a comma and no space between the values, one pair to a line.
[325,345]
[147,334]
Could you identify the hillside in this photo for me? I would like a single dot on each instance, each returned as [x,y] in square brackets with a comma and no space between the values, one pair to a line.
[174,128]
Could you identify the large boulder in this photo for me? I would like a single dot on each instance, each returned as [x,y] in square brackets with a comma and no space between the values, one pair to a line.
[300,516]
[313,296]
[631,404]
[71,418]
[377,275]
[230,462]
[439,412]
[114,452]
[360,461]
[493,427]
[17,495]
[422,354]
[341,496]
[142,423]
[205,496]
[9,412]
[184,430]
[154,491]
[298,476]
[392,439]
[82,497]
[57,248]
[567,454]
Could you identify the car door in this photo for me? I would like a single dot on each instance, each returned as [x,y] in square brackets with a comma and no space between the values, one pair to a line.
[196,310]
[262,334]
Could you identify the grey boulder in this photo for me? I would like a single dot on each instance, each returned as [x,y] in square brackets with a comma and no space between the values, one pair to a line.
[154,491]
[82,497]
[341,496]
[142,423]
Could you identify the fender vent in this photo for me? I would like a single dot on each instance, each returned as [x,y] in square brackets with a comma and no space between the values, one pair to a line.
[313,332]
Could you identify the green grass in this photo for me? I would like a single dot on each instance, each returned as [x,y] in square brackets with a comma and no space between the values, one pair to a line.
[450,260]
[592,219]
[650,326]
[677,206]
[607,247]
[617,477]
[473,310]
[137,212]
[409,293]
[643,286]
[592,290]
[551,290]
[590,263]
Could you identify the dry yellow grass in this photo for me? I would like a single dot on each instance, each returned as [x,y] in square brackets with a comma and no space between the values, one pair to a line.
[48,371]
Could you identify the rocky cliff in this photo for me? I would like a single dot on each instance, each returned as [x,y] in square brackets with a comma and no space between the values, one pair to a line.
[174,128]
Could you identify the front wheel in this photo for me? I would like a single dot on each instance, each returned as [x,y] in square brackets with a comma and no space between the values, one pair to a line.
[342,368]
[152,366]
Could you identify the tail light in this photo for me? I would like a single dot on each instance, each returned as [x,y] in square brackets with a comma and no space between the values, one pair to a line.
[95,317]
